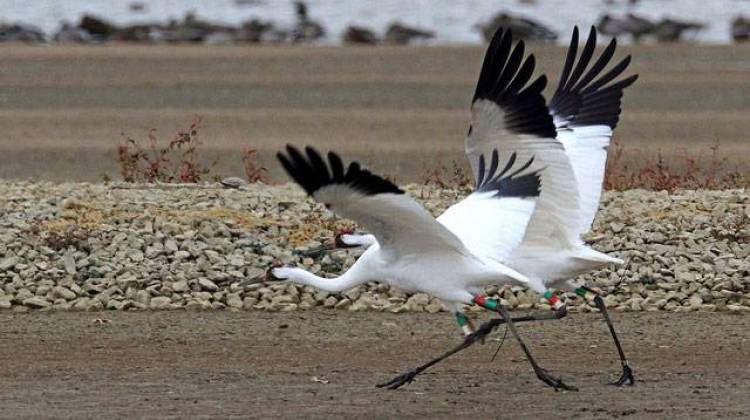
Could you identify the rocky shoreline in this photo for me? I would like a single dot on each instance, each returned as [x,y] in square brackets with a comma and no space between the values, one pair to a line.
[88,247]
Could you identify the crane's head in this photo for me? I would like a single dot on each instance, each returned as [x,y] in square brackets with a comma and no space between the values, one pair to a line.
[275,273]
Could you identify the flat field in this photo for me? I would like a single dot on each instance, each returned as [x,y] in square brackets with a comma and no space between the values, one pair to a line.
[323,364]
[63,110]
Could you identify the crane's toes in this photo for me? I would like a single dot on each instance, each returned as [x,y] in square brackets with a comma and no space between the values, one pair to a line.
[554,382]
[400,380]
[626,378]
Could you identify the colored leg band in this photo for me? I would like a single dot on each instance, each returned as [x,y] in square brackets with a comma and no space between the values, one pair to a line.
[486,303]
[464,323]
[585,293]
[553,300]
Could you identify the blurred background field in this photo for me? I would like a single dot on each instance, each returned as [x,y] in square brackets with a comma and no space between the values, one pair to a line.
[79,78]
[403,110]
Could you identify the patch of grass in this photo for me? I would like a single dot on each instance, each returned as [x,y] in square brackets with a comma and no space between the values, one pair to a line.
[175,162]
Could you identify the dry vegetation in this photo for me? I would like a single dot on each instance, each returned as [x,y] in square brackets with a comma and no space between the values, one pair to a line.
[686,171]
[653,171]
[177,161]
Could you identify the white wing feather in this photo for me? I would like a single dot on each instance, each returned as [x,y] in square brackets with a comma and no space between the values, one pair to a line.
[587,149]
[557,204]
[488,226]
[399,223]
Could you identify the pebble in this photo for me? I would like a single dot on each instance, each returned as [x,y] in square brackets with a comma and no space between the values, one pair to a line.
[135,247]
[208,285]
[36,302]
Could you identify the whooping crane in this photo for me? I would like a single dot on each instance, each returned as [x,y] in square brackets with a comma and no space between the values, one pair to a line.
[572,144]
[416,253]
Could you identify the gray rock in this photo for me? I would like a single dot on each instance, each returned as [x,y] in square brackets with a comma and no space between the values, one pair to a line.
[170,246]
[70,262]
[160,302]
[180,286]
[5,302]
[9,263]
[207,285]
[64,293]
[36,302]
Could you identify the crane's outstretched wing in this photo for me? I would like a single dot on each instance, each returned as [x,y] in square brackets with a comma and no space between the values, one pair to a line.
[491,222]
[399,223]
[511,117]
[585,110]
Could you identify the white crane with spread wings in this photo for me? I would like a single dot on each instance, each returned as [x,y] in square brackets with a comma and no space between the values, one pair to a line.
[572,145]
[413,251]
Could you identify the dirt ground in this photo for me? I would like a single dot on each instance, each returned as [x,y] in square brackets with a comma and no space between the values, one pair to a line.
[401,110]
[263,365]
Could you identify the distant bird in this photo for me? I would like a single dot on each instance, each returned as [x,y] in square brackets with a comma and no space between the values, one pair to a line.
[670,30]
[306,29]
[359,35]
[634,25]
[522,27]
[400,34]
[19,32]
[740,29]
[571,142]
[452,261]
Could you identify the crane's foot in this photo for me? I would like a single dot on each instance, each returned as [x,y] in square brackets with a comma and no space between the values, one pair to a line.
[398,381]
[550,380]
[626,378]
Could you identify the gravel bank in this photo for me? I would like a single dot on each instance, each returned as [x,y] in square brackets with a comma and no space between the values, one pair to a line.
[79,246]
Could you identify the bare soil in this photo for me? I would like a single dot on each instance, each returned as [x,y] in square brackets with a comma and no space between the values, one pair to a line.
[63,110]
[265,365]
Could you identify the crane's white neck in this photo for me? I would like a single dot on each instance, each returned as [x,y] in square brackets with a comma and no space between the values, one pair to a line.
[306,278]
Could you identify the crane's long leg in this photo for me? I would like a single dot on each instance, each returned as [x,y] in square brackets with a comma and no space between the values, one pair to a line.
[627,373]
[483,331]
[541,373]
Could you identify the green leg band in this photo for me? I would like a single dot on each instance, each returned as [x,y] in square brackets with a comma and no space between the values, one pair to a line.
[581,292]
[461,319]
[548,294]
[464,323]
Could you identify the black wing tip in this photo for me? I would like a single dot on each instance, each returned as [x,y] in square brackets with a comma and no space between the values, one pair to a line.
[507,184]
[575,96]
[312,172]
[504,80]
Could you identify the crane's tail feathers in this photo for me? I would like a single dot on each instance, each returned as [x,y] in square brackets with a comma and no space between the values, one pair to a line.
[596,257]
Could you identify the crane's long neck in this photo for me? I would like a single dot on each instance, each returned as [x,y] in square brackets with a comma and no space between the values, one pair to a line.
[353,277]
[362,271]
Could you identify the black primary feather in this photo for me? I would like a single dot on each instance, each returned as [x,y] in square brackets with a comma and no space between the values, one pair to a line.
[312,172]
[581,97]
[503,80]
[506,184]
